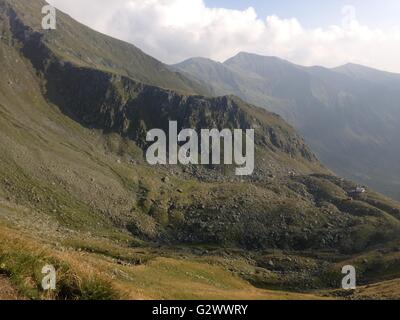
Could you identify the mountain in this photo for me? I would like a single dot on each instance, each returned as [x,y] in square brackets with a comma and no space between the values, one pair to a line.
[360,72]
[76,191]
[348,115]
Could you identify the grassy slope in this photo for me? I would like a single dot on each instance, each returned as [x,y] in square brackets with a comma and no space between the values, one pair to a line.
[85,47]
[95,268]
[91,275]
[382,290]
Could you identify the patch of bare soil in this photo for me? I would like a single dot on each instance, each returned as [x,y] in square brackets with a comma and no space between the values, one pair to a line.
[7,291]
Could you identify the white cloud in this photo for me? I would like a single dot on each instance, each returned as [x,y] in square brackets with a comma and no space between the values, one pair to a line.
[173,30]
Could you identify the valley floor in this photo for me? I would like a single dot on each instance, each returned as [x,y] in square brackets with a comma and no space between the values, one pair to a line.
[96,268]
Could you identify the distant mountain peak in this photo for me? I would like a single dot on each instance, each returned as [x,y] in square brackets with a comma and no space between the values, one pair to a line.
[197,60]
[246,55]
[351,65]
[359,67]
[354,67]
[358,71]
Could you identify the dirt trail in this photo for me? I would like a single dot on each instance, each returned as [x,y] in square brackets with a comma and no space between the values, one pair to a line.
[7,291]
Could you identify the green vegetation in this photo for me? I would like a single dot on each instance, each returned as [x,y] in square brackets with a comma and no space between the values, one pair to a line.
[22,261]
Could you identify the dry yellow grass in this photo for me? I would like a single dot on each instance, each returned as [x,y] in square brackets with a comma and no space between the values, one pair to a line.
[7,290]
[166,278]
[382,290]
[160,278]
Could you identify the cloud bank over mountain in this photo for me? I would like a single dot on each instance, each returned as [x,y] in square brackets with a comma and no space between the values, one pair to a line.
[173,30]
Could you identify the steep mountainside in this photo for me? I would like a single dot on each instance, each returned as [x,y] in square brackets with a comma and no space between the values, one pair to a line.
[87,48]
[75,189]
[348,115]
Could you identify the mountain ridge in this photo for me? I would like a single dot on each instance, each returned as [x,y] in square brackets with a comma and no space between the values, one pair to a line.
[347,114]
[116,56]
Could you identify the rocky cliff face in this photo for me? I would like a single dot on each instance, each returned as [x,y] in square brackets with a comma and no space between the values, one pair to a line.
[118,104]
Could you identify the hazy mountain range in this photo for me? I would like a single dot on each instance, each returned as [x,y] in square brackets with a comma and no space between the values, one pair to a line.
[348,115]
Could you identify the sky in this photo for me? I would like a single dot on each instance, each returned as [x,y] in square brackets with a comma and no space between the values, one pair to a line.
[308,32]
[320,13]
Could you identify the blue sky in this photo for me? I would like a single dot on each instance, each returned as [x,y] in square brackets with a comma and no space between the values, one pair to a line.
[320,13]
